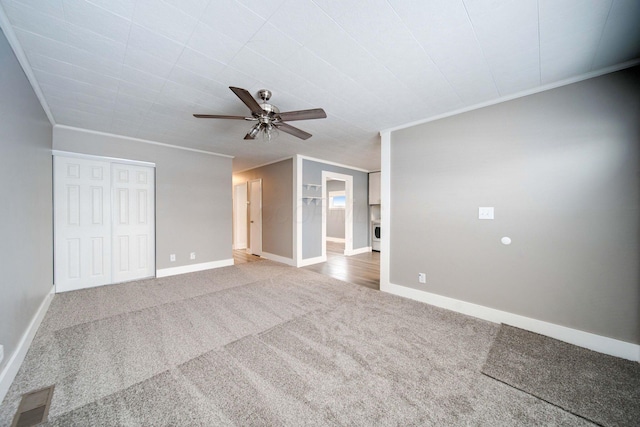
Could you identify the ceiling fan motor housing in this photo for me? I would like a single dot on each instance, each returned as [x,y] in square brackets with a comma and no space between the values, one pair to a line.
[270,109]
[268,117]
[264,94]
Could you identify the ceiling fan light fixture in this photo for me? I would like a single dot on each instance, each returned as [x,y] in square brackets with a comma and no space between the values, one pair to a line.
[254,131]
[269,132]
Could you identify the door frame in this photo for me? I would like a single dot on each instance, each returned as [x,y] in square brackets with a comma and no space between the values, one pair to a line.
[348,210]
[253,247]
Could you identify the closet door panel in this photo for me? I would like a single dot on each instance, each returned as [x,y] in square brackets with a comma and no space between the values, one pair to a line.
[133,222]
[82,223]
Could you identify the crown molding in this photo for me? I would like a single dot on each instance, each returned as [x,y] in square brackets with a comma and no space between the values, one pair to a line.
[146,141]
[7,29]
[327,162]
[554,85]
[264,164]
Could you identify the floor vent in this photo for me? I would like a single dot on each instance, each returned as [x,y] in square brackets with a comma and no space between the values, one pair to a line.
[34,408]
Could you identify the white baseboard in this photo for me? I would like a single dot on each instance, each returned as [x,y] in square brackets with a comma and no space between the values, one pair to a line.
[358,251]
[311,261]
[278,258]
[588,340]
[335,239]
[194,267]
[10,371]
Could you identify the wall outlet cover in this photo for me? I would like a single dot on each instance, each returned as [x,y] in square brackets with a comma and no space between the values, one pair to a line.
[1,353]
[172,257]
[193,255]
[485,213]
[422,278]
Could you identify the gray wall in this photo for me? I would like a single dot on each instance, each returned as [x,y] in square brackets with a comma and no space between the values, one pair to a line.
[312,213]
[26,247]
[562,169]
[277,205]
[335,217]
[193,194]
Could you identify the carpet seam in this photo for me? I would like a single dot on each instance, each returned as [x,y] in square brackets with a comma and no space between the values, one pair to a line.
[279,325]
[160,305]
[153,306]
[195,296]
[109,395]
[542,399]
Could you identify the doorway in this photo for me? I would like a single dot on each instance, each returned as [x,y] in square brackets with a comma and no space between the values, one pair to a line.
[255,217]
[335,207]
[240,217]
[348,210]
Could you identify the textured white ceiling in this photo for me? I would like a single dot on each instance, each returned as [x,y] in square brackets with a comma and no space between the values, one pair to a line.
[140,68]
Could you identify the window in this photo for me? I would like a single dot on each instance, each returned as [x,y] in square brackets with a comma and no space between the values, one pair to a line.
[337,200]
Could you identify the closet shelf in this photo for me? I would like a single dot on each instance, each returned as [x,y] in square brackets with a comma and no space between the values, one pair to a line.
[315,200]
[314,186]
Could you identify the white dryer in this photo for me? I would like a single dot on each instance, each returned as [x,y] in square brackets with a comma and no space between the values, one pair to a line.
[375,236]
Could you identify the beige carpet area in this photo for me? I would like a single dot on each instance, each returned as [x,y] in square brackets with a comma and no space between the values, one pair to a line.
[600,388]
[265,344]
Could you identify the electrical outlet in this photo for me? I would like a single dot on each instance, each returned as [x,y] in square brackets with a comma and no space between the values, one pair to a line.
[172,257]
[422,278]
[1,353]
[193,255]
[485,212]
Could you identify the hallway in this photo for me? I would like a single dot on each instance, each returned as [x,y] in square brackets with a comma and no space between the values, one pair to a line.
[363,269]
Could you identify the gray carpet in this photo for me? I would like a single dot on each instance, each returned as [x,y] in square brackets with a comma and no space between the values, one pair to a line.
[600,388]
[262,343]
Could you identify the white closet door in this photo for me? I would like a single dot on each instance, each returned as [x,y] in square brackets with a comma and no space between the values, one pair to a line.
[133,222]
[82,223]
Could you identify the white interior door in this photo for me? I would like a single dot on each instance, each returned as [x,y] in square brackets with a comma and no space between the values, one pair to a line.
[255,217]
[82,223]
[240,216]
[133,222]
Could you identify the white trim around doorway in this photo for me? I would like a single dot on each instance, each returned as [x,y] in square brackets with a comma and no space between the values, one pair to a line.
[348,210]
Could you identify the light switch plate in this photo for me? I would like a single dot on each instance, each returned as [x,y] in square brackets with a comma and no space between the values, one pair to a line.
[485,213]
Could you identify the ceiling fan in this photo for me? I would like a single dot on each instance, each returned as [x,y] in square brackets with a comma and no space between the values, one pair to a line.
[268,116]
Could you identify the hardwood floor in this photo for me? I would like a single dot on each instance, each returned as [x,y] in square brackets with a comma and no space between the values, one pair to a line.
[240,256]
[363,269]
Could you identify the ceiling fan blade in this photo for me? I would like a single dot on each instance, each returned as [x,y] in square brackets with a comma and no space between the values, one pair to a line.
[218,116]
[248,136]
[292,130]
[315,113]
[249,100]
